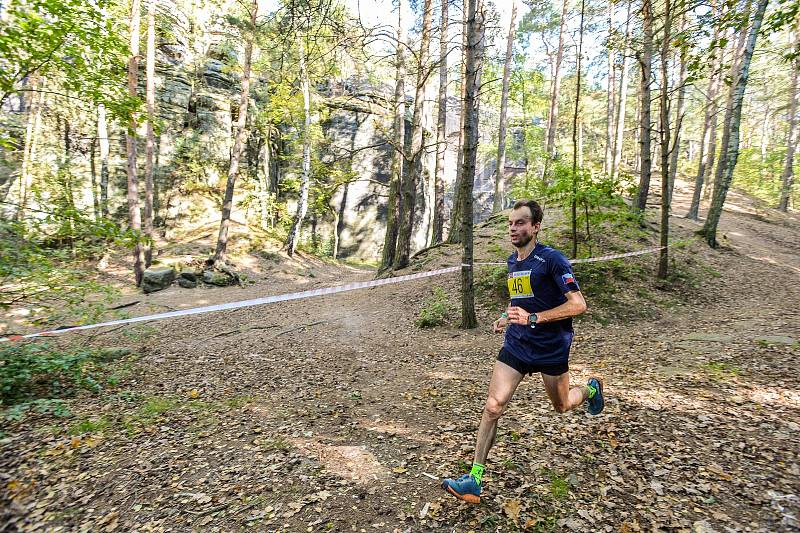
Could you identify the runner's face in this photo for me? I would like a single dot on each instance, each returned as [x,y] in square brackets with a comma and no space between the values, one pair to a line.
[520,228]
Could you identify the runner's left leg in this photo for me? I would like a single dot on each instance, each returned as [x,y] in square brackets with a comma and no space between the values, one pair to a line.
[504,382]
[561,396]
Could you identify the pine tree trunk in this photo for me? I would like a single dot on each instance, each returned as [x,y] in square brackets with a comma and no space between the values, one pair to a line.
[240,136]
[474,66]
[305,180]
[456,221]
[102,139]
[93,175]
[666,194]
[646,63]
[708,138]
[575,135]
[499,180]
[398,134]
[134,216]
[555,93]
[679,111]
[263,182]
[408,187]
[731,149]
[441,130]
[611,84]
[150,72]
[791,138]
[623,97]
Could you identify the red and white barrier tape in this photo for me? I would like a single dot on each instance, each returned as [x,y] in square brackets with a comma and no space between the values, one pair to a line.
[287,297]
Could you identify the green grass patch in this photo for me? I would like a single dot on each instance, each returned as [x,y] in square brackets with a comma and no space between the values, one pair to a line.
[88,426]
[276,444]
[435,309]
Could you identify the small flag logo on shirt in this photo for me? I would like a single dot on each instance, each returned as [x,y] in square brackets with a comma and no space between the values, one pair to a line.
[568,278]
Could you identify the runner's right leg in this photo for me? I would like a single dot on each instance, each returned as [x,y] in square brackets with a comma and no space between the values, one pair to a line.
[504,382]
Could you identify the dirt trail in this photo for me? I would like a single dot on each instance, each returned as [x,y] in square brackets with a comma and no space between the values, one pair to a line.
[327,414]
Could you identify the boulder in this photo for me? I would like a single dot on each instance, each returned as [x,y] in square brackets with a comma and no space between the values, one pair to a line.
[156,279]
[188,275]
[187,283]
[215,278]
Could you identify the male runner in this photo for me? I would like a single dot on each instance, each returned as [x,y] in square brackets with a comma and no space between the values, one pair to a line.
[544,298]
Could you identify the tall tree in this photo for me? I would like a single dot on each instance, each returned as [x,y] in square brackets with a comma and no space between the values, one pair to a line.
[791,136]
[680,106]
[398,134]
[150,96]
[731,149]
[305,178]
[455,216]
[474,67]
[576,149]
[32,129]
[240,136]
[441,129]
[134,216]
[555,92]
[408,188]
[610,96]
[645,58]
[709,135]
[623,98]
[102,141]
[664,132]
[499,180]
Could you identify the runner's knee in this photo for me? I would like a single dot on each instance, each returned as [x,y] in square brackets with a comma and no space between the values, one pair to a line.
[494,407]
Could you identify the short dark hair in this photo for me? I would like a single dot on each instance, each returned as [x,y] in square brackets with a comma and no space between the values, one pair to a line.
[536,209]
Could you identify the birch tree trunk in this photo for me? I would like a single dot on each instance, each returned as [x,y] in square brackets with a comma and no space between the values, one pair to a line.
[666,193]
[240,137]
[458,202]
[791,137]
[708,138]
[474,66]
[408,189]
[398,134]
[731,149]
[499,180]
[646,63]
[441,130]
[723,160]
[305,180]
[623,97]
[150,72]
[134,216]
[610,96]
[102,141]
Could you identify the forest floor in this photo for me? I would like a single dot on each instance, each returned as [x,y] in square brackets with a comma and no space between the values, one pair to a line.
[337,413]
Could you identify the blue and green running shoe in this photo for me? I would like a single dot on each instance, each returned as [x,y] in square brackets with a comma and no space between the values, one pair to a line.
[464,488]
[595,402]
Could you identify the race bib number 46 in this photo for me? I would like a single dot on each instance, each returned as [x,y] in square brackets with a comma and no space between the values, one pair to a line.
[519,284]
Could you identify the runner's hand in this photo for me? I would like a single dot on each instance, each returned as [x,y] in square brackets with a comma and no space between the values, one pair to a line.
[517,315]
[500,324]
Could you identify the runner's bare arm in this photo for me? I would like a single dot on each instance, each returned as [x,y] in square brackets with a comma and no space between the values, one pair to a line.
[574,306]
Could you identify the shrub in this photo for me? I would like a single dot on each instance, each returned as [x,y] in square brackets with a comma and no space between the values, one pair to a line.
[30,372]
[435,309]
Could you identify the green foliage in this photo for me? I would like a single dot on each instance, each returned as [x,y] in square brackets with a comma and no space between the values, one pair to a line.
[40,263]
[30,372]
[762,178]
[491,283]
[76,44]
[435,309]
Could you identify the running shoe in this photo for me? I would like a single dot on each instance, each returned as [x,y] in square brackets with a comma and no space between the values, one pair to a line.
[595,402]
[464,488]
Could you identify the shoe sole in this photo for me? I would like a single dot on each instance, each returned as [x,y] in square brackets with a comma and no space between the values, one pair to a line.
[600,382]
[469,498]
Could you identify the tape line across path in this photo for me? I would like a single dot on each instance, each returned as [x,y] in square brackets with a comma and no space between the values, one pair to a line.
[291,296]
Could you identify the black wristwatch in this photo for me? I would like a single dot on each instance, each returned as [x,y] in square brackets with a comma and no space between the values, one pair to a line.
[532,320]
